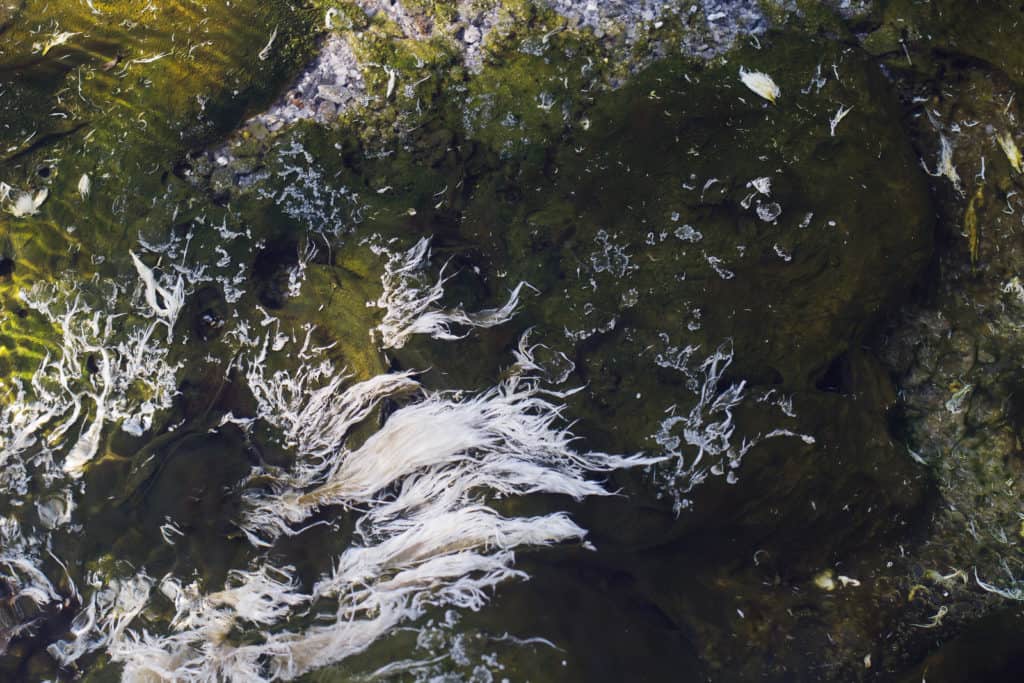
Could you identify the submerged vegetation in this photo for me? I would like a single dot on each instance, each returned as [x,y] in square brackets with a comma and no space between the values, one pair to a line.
[465,339]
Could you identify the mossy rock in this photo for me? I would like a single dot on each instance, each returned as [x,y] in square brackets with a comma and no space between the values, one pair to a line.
[947,27]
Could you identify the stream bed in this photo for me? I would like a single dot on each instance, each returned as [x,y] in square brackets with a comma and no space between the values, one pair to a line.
[467,340]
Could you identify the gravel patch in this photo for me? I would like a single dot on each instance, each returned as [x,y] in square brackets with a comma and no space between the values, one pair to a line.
[852,9]
[724,20]
[473,21]
[332,83]
[727,22]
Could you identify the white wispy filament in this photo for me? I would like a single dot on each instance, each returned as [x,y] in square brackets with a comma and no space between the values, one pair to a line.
[427,535]
[410,303]
[125,359]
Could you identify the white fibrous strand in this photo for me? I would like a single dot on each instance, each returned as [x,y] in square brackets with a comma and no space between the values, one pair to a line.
[297,273]
[26,204]
[411,305]
[506,440]
[426,536]
[312,408]
[197,648]
[165,302]
[706,431]
[760,83]
[701,443]
[945,167]
[104,621]
[1014,591]
[130,382]
[103,367]
[556,368]
[23,578]
[444,649]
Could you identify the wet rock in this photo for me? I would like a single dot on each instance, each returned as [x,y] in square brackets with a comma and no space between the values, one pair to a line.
[949,350]
[162,103]
[640,231]
[331,78]
[952,28]
[960,657]
[805,285]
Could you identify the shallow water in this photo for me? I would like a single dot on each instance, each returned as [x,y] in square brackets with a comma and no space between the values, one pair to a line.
[504,376]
